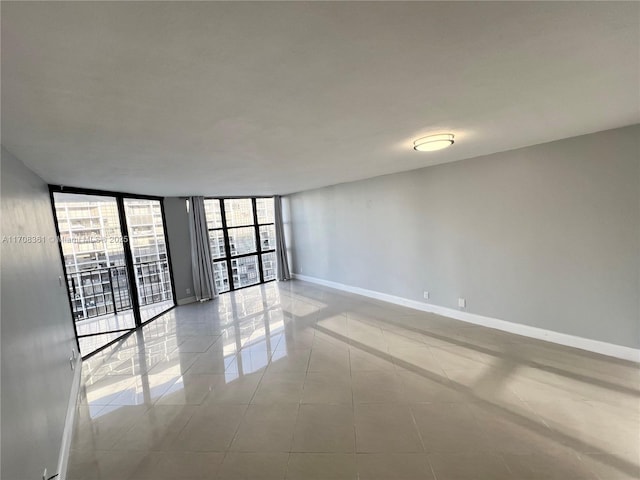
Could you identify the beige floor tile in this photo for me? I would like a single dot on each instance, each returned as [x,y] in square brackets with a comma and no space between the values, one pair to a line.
[329,360]
[469,466]
[104,390]
[418,360]
[233,389]
[253,466]
[204,392]
[611,467]
[188,390]
[279,388]
[397,466]
[289,361]
[592,427]
[196,344]
[107,465]
[146,389]
[175,363]
[419,388]
[212,362]
[210,429]
[327,387]
[104,430]
[254,360]
[322,466]
[157,429]
[565,465]
[538,385]
[399,339]
[295,339]
[182,465]
[449,427]
[324,428]
[326,338]
[370,361]
[266,428]
[336,324]
[515,430]
[493,383]
[459,357]
[386,428]
[378,387]
[368,336]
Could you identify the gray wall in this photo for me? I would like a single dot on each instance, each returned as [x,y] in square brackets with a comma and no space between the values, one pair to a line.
[180,245]
[37,332]
[547,236]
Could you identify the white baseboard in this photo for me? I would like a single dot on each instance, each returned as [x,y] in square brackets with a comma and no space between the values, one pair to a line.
[67,434]
[186,301]
[604,348]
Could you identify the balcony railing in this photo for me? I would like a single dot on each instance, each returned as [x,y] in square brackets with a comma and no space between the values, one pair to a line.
[106,291]
[153,281]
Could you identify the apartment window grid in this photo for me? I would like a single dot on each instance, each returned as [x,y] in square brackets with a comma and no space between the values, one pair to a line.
[96,272]
[149,251]
[242,240]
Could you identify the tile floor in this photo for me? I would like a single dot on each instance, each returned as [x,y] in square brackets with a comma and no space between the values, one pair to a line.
[295,381]
[120,321]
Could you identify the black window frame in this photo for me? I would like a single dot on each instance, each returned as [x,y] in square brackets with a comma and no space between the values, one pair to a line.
[129,266]
[258,253]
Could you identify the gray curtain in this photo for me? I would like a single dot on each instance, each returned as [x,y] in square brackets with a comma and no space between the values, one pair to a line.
[281,247]
[203,283]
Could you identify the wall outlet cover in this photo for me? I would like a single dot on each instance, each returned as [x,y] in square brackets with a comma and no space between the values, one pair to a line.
[425,295]
[462,303]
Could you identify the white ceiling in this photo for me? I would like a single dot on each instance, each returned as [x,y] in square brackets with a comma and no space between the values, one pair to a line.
[234,98]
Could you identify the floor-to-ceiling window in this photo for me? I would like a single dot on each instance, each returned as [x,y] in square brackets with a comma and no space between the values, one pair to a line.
[149,253]
[116,262]
[242,238]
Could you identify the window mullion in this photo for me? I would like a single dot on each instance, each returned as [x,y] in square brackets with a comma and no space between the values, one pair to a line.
[256,229]
[227,247]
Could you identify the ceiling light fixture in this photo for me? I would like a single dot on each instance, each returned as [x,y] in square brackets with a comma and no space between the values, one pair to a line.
[433,142]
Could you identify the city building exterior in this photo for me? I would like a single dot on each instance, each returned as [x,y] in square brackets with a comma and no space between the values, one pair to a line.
[93,249]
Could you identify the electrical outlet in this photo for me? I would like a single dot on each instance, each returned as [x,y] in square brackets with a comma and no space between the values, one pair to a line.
[462,303]
[60,281]
[426,295]
[188,291]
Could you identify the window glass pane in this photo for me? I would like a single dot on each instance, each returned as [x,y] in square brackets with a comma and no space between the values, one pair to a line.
[264,210]
[245,271]
[146,234]
[221,276]
[149,248]
[90,231]
[212,212]
[268,237]
[242,240]
[216,241]
[239,212]
[269,266]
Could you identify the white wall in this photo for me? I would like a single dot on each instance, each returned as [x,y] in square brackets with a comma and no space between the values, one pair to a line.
[37,332]
[546,236]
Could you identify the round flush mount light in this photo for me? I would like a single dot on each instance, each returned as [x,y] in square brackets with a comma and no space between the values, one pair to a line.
[432,143]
